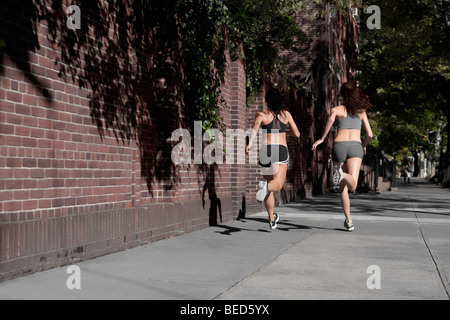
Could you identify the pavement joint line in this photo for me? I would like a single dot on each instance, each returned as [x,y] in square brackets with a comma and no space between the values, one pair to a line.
[266,265]
[318,216]
[437,265]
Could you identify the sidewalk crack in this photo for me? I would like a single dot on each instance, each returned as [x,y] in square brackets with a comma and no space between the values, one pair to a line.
[440,271]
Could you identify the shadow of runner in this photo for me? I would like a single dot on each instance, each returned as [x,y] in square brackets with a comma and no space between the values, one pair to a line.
[215,206]
[228,230]
[286,225]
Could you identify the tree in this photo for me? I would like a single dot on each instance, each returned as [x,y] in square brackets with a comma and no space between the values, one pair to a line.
[406,70]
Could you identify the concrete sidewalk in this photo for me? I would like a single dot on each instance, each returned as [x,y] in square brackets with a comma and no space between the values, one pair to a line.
[399,250]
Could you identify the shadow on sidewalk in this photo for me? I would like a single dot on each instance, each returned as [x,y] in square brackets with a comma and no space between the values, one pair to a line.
[229,230]
[283,225]
[420,195]
[430,202]
[287,225]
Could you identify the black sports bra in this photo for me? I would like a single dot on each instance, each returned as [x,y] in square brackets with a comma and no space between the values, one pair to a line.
[276,124]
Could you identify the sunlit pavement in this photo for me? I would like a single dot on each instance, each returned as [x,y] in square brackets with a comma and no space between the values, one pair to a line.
[399,250]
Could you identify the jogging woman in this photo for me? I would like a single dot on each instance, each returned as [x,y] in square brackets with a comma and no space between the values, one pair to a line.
[274,154]
[347,147]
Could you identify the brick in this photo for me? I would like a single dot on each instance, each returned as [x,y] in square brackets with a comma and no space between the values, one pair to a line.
[21,195]
[13,118]
[6,129]
[13,162]
[22,131]
[40,113]
[12,206]
[21,173]
[29,142]
[44,163]
[13,74]
[30,100]
[23,109]
[14,96]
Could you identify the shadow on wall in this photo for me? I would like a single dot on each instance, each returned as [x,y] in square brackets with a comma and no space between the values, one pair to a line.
[311,124]
[321,74]
[215,205]
[126,55]
[298,103]
[19,38]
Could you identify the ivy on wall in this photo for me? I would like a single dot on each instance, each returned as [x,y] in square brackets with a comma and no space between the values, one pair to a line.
[256,30]
[127,49]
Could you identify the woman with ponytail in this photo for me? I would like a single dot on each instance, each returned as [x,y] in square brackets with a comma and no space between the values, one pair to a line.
[273,155]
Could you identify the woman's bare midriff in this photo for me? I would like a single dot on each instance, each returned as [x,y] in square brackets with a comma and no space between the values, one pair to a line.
[275,138]
[348,135]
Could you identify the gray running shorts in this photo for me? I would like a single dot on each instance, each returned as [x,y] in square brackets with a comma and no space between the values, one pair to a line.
[343,150]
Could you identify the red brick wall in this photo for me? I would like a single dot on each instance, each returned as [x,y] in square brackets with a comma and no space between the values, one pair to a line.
[69,191]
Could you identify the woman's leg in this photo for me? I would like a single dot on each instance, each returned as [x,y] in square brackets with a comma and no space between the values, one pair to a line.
[269,201]
[349,182]
[275,183]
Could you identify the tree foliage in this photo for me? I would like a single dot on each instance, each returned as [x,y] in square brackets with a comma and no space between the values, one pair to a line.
[406,70]
[256,30]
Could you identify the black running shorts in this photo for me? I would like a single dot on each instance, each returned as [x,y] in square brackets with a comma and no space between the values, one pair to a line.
[270,154]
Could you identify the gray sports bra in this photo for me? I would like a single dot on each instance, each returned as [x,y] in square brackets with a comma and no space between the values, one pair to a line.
[349,122]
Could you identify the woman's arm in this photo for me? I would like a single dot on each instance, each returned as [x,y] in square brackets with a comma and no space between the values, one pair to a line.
[369,133]
[328,126]
[293,130]
[255,128]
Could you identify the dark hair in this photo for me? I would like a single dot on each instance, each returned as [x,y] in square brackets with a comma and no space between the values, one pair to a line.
[355,100]
[275,100]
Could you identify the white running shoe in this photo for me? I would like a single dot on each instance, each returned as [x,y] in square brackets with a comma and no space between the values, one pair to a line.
[338,175]
[263,191]
[273,224]
[349,226]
